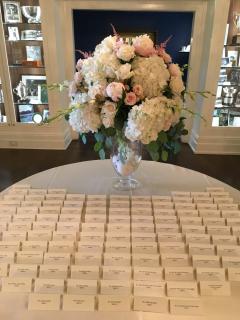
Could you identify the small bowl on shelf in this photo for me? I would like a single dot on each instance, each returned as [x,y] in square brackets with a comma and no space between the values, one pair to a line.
[32,13]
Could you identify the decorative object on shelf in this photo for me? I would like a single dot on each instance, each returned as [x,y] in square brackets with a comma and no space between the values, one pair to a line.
[26,113]
[34,64]
[13,34]
[128,91]
[228,95]
[233,58]
[226,34]
[237,102]
[33,53]
[32,13]
[186,48]
[126,156]
[21,92]
[31,35]
[222,76]
[12,12]
[37,118]
[234,76]
[225,62]
[236,21]
[218,102]
[1,97]
[32,82]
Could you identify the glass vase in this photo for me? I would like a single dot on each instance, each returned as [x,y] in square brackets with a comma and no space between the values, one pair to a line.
[126,156]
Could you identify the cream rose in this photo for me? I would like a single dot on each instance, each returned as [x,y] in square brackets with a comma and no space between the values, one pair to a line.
[176,85]
[126,52]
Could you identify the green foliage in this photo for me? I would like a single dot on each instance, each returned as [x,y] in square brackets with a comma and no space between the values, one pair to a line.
[83,137]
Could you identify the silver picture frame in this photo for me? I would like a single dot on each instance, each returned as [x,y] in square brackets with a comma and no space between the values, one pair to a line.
[12,12]
[32,83]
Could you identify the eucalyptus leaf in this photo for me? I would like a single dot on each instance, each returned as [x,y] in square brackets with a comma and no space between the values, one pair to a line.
[101,154]
[108,142]
[97,146]
[162,137]
[164,155]
[84,139]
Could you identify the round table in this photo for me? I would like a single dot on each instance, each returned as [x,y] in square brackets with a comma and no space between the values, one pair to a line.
[97,177]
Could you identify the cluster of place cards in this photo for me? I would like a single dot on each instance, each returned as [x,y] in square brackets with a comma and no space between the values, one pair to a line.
[76,252]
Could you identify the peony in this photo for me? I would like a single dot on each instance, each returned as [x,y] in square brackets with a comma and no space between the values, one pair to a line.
[126,52]
[78,77]
[115,90]
[176,85]
[79,64]
[124,72]
[86,118]
[108,112]
[166,57]
[143,45]
[174,70]
[152,74]
[130,99]
[138,90]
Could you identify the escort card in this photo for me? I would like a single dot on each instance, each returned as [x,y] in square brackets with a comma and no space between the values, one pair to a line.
[118,247]
[172,247]
[118,197]
[71,210]
[201,248]
[57,258]
[19,226]
[68,226]
[96,197]
[197,238]
[119,204]
[49,285]
[207,206]
[144,247]
[219,194]
[215,288]
[84,272]
[214,189]
[228,206]
[179,274]
[145,260]
[117,287]
[116,259]
[186,307]
[147,273]
[163,205]
[31,203]
[146,237]
[233,221]
[191,221]
[81,286]
[9,246]
[29,257]
[231,262]
[202,200]
[180,193]
[214,221]
[44,225]
[18,197]
[75,196]
[189,228]
[95,218]
[228,250]
[224,239]
[5,218]
[231,213]
[174,260]
[210,213]
[61,246]
[50,210]
[141,211]
[187,213]
[44,302]
[72,302]
[57,191]
[88,259]
[170,237]
[164,212]
[166,228]
[14,235]
[92,236]
[234,274]
[53,271]
[189,206]
[92,247]
[143,227]
[117,227]
[34,235]
[119,211]
[116,273]
[122,237]
[70,218]
[37,191]
[7,257]
[142,219]
[182,289]
[236,231]
[165,219]
[3,226]
[65,235]
[179,200]
[205,261]
[118,219]
[54,196]
[149,288]
[27,217]
[23,270]
[9,209]
[161,198]
[150,304]
[114,303]
[14,285]
[210,274]
[225,201]
[34,197]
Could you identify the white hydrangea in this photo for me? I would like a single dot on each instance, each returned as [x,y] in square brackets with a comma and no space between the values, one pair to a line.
[176,85]
[126,52]
[145,121]
[108,113]
[124,72]
[86,118]
[152,74]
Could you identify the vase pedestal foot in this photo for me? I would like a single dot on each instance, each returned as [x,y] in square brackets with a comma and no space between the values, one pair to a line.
[125,184]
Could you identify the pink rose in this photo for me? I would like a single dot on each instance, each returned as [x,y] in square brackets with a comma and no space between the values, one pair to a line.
[166,57]
[77,77]
[144,46]
[115,90]
[138,90]
[174,70]
[79,64]
[130,99]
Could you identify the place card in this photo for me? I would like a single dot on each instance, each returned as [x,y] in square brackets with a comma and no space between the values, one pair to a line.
[50,209]
[114,218]
[10,197]
[144,247]
[5,218]
[88,259]
[9,203]
[61,246]
[81,286]
[14,235]
[84,272]
[16,285]
[225,201]
[117,259]
[118,228]
[187,213]
[71,210]
[29,257]
[170,237]
[145,260]
[3,226]
[231,262]
[172,247]
[174,260]
[23,270]
[8,210]
[118,197]
[95,218]
[149,288]
[231,213]
[228,250]
[37,191]
[182,199]
[182,289]
[150,304]
[146,237]
[197,221]
[147,273]
[236,231]
[201,248]
[165,219]
[179,274]
[163,205]
[116,273]
[233,222]
[228,206]
[36,235]
[7,257]
[34,197]
[57,191]
[27,217]
[47,302]
[205,261]
[167,228]
[202,200]
[141,204]
[114,303]
[197,238]
[64,235]
[57,258]
[219,194]
[96,197]
[210,274]
[70,218]
[164,212]
[142,219]
[234,274]
[207,206]
[122,237]
[41,225]
[161,198]
[119,204]
[216,230]
[183,205]
[27,210]
[224,239]
[118,287]
[19,226]
[210,213]
[214,221]
[9,246]
[3,269]
[73,302]
[54,196]
[68,226]
[141,211]
[53,271]
[186,307]
[92,236]
[31,203]
[118,247]
[119,211]
[215,288]
[49,285]
[143,227]
[90,247]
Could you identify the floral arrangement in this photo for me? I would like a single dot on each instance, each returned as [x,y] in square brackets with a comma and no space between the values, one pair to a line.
[130,90]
